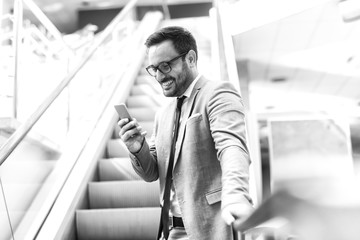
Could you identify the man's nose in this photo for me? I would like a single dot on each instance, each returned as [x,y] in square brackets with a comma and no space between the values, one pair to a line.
[159,75]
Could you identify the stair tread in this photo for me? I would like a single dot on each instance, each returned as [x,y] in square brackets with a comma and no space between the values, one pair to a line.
[141,101]
[123,194]
[117,148]
[120,224]
[143,114]
[116,169]
[145,89]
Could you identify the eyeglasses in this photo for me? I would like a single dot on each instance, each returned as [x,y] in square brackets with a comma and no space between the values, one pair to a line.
[163,67]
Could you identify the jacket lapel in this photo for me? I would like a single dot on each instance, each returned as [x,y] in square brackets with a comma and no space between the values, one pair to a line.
[189,106]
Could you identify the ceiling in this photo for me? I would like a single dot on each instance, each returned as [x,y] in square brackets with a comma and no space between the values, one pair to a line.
[306,57]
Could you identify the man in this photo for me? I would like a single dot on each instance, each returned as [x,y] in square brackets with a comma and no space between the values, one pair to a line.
[209,177]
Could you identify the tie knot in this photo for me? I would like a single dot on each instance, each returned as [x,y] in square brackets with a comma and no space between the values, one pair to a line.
[180,101]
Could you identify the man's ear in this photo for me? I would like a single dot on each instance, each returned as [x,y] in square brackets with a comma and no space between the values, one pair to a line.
[192,57]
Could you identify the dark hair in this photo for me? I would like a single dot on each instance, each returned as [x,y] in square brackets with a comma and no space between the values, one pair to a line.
[181,38]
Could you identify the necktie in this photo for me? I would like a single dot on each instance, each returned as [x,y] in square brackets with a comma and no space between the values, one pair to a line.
[164,224]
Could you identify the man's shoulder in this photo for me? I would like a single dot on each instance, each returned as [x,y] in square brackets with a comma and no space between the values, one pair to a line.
[211,86]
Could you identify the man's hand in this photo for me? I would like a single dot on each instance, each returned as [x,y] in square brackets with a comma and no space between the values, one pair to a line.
[131,134]
[236,211]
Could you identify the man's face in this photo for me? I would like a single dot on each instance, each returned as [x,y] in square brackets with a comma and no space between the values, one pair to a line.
[175,82]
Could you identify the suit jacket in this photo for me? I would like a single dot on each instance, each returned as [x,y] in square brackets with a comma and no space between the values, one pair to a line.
[211,165]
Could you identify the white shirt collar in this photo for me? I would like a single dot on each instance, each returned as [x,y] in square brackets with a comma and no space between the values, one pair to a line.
[191,87]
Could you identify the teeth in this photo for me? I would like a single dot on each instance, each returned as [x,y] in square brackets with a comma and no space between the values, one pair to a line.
[167,83]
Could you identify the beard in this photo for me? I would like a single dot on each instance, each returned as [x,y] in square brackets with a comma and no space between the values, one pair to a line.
[184,80]
[180,83]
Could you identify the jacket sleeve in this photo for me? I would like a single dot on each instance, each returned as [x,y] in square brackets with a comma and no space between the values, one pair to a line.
[144,162]
[227,125]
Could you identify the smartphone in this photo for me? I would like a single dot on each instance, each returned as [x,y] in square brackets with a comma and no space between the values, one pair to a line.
[122,111]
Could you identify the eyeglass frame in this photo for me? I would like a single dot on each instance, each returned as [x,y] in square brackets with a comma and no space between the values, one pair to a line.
[164,62]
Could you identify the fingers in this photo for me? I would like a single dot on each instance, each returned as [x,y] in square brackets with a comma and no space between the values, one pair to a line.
[236,211]
[228,217]
[131,134]
[122,122]
[129,129]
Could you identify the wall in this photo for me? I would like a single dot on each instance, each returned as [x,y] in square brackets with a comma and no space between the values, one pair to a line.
[101,17]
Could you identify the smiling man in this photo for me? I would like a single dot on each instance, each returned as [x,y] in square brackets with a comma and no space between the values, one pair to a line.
[198,149]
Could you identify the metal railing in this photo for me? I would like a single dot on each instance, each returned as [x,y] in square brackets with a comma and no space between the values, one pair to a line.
[18,36]
[21,132]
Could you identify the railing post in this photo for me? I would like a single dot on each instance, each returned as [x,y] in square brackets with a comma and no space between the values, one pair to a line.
[165,8]
[18,19]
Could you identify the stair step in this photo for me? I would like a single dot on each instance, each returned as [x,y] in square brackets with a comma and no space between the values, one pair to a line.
[143,114]
[141,101]
[116,169]
[123,194]
[144,89]
[120,224]
[147,79]
[155,86]
[116,149]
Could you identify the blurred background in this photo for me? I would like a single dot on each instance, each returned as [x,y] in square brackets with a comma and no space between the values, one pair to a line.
[64,172]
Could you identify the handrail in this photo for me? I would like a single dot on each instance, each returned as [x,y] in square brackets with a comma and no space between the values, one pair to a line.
[278,205]
[8,147]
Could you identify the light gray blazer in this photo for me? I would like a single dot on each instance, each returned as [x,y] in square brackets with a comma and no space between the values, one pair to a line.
[211,166]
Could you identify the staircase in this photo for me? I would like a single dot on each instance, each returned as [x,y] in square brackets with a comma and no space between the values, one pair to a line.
[121,205]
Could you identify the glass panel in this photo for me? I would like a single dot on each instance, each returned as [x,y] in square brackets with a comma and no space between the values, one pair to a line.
[308,150]
[5,224]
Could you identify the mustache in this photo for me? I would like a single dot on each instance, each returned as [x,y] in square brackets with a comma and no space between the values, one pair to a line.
[167,79]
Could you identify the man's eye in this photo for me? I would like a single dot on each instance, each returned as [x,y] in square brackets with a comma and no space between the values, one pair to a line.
[164,66]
